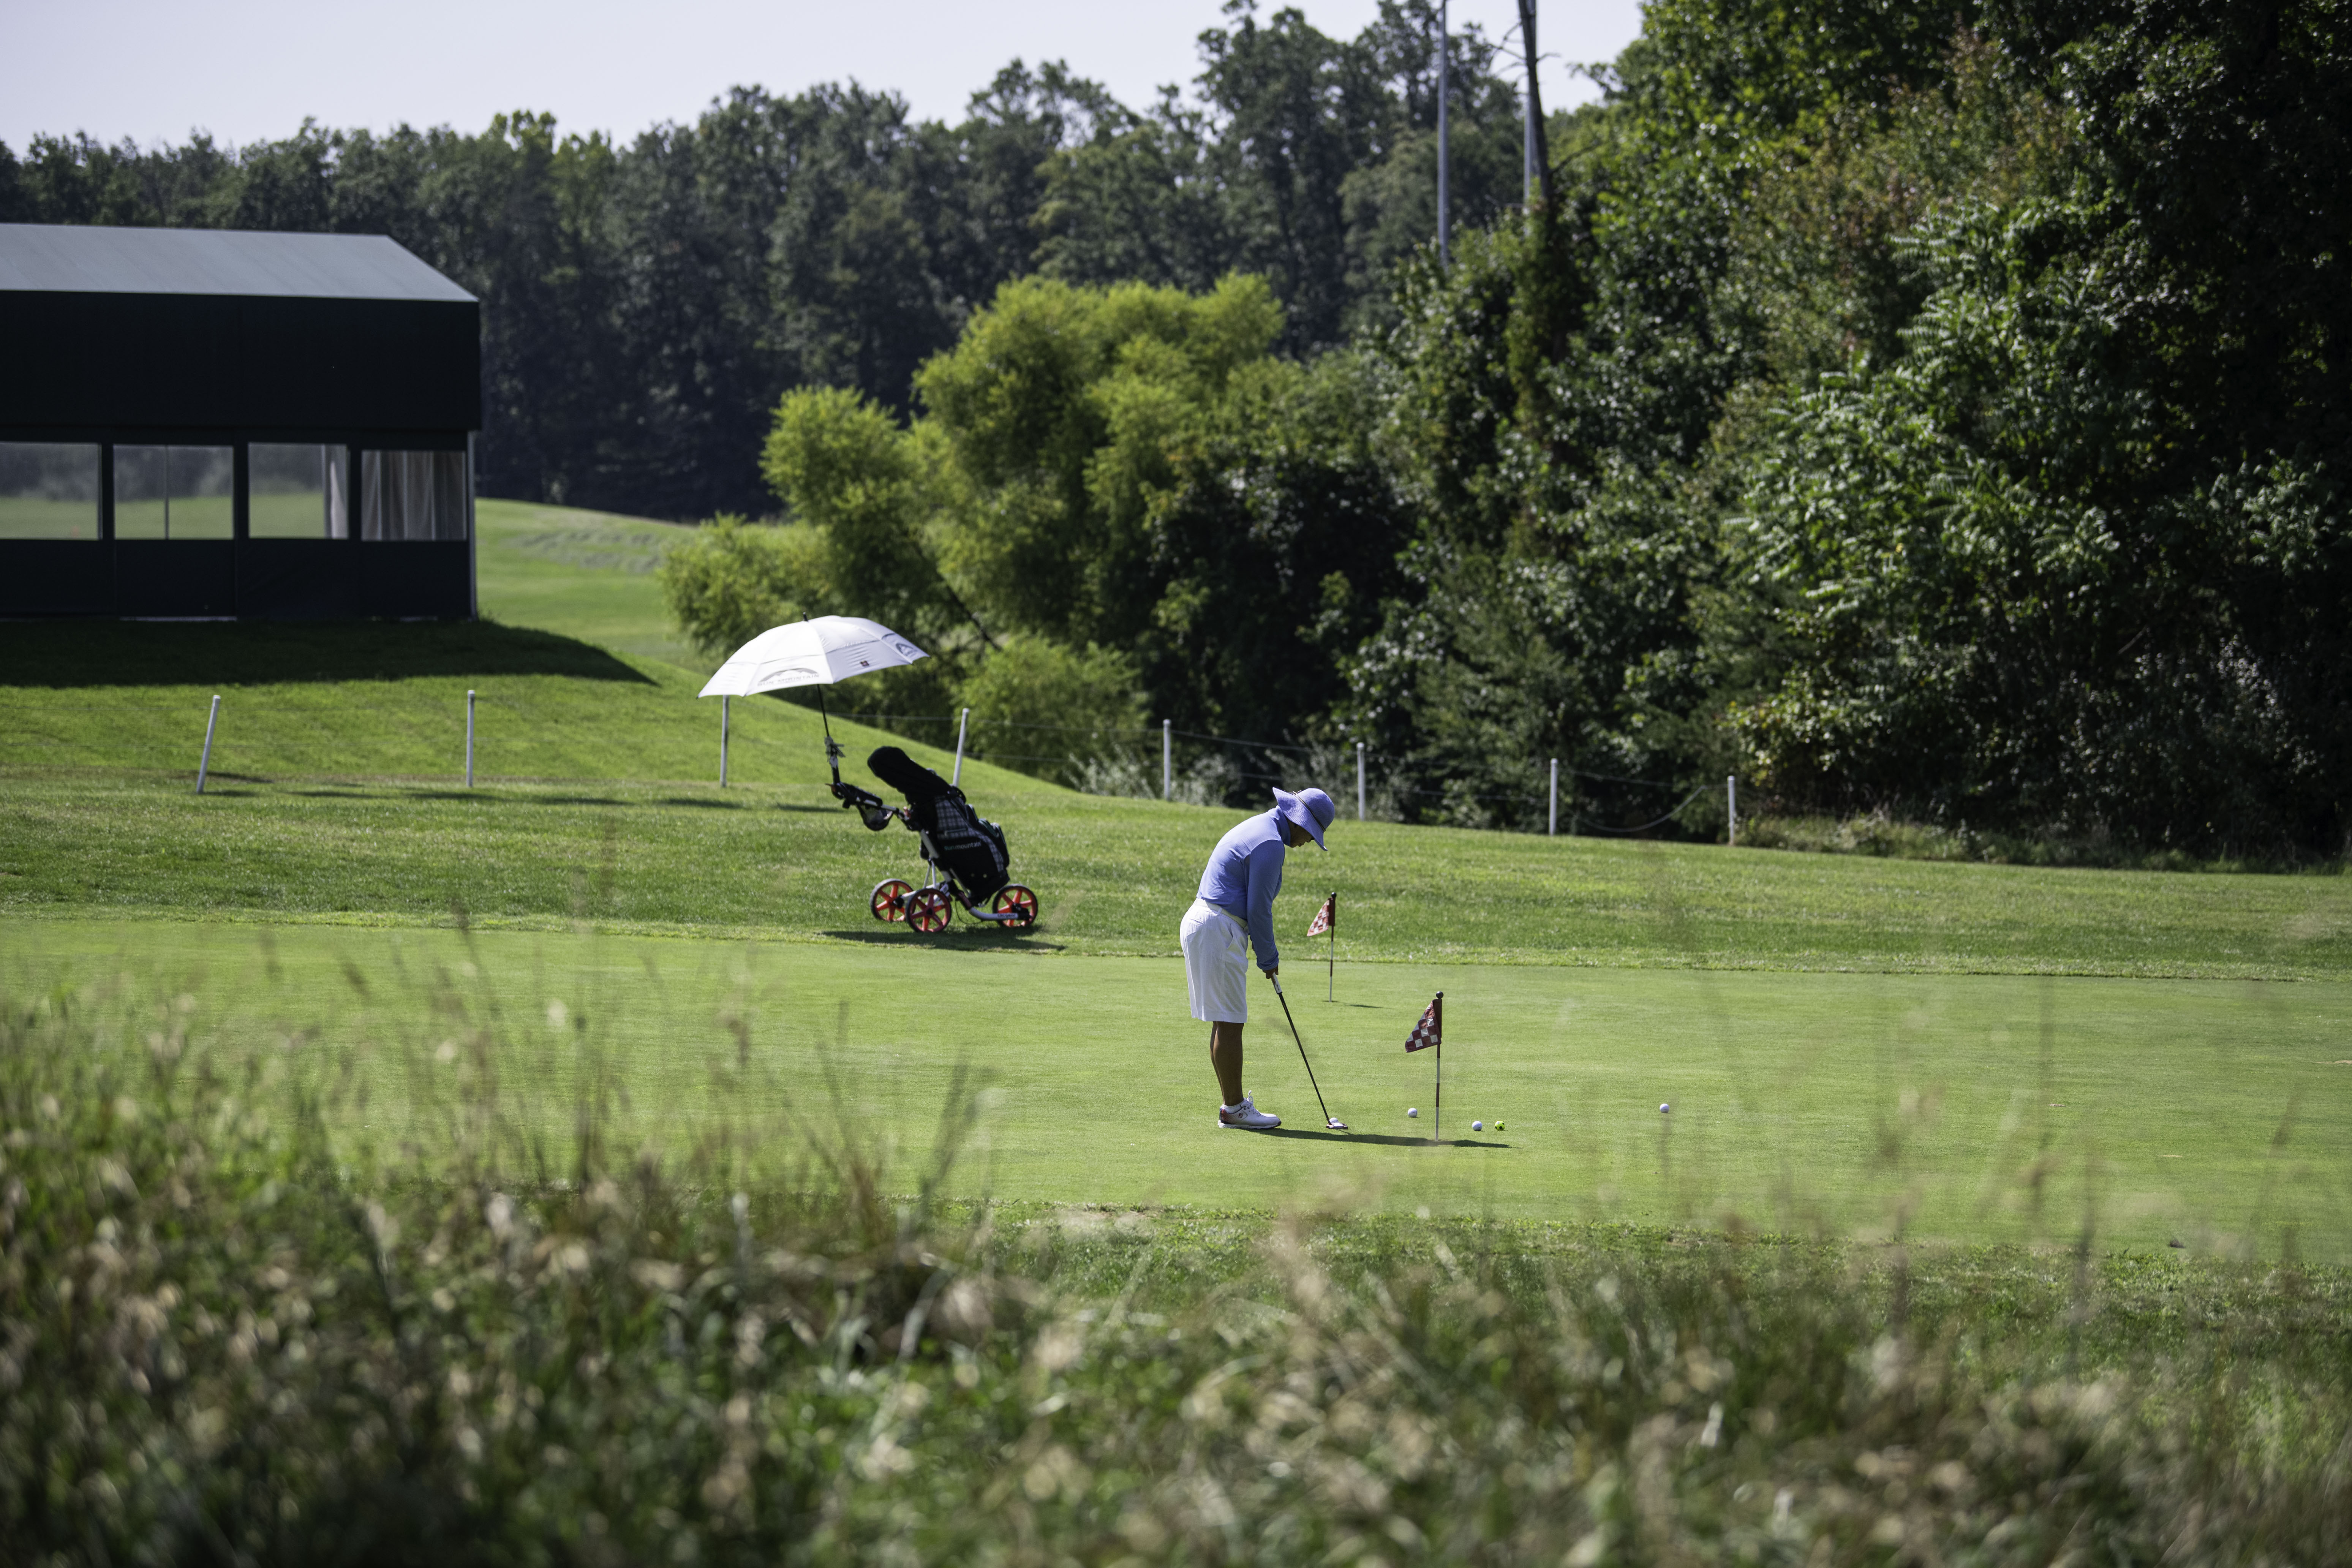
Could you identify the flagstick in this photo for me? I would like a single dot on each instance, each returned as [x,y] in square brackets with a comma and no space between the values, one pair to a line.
[1331,959]
[1439,1104]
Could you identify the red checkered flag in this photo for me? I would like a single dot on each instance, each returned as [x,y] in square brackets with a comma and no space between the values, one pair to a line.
[1430,1030]
[1327,918]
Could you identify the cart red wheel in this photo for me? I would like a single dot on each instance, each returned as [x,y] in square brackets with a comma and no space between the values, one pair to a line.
[929,909]
[889,901]
[1018,901]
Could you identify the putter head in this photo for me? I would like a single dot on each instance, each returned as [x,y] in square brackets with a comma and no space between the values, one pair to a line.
[1335,1124]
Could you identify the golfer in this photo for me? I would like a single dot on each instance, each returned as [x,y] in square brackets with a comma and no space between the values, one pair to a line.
[1234,912]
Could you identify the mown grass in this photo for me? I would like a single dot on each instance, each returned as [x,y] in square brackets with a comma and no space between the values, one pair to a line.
[239,1333]
[584,574]
[1988,1108]
[778,859]
[340,751]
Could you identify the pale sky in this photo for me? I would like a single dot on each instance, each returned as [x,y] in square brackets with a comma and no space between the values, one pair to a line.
[248,70]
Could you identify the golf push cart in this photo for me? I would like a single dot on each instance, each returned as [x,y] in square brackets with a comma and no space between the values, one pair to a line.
[966,857]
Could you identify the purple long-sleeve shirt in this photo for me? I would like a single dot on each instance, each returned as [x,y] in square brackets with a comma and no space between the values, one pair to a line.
[1244,872]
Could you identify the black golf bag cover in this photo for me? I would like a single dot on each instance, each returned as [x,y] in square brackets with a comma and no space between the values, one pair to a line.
[974,849]
[907,776]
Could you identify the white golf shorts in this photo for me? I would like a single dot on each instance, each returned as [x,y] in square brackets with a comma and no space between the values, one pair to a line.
[1216,964]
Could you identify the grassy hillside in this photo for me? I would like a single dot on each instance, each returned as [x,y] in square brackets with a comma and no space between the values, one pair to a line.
[780,860]
[585,575]
[340,755]
[370,702]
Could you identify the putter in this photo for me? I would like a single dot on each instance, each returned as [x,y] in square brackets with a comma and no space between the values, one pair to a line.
[1330,1121]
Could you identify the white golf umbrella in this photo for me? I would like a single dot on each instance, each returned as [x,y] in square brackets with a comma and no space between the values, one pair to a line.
[815,652]
[811,653]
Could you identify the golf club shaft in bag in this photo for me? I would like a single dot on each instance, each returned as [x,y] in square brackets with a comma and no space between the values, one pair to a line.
[1328,1120]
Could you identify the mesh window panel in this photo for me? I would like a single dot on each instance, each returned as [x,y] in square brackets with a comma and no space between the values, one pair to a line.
[48,490]
[203,485]
[174,492]
[411,495]
[139,486]
[297,492]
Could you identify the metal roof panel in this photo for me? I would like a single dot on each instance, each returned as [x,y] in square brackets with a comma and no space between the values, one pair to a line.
[61,259]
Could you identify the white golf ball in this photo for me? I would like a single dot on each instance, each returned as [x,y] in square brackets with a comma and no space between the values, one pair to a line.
[1477,1127]
[1413,1111]
[1663,1108]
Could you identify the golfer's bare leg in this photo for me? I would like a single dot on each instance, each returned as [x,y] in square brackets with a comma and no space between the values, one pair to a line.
[1226,1056]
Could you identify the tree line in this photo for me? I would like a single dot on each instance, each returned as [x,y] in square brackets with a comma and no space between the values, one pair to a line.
[646,304]
[1935,411]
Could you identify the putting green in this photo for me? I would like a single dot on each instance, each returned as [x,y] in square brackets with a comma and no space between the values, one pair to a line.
[1972,1107]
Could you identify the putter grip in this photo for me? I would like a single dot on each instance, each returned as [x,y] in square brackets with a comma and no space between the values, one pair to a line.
[1276,979]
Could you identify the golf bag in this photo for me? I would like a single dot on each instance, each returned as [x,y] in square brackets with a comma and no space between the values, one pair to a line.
[971,848]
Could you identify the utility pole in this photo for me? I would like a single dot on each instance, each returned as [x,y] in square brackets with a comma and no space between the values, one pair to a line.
[1444,48]
[1538,155]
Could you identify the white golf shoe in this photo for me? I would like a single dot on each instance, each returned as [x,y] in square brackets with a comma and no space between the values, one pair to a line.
[1247,1115]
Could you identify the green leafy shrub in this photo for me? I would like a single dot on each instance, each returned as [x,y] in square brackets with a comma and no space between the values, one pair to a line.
[1051,710]
[733,580]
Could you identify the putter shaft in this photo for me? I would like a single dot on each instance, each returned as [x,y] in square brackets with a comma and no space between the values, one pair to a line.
[1328,1120]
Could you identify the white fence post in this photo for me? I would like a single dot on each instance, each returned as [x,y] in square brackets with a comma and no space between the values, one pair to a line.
[1167,759]
[961,725]
[469,740]
[1555,798]
[1731,807]
[1360,780]
[725,724]
[205,766]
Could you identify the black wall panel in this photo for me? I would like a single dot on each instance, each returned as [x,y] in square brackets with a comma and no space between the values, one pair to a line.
[175,576]
[423,577]
[298,579]
[56,577]
[262,579]
[209,361]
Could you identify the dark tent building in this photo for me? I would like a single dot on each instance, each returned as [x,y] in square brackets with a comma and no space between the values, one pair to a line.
[208,423]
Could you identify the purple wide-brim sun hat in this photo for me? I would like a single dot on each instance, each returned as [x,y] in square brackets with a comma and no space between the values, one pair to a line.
[1310,808]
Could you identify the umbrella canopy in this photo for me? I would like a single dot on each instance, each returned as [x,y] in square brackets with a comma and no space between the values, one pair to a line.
[811,653]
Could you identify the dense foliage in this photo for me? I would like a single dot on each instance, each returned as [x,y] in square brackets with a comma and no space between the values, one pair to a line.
[1910,427]
[1936,413]
[227,1334]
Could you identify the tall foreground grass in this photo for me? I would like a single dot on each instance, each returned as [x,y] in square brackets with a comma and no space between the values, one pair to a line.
[227,1333]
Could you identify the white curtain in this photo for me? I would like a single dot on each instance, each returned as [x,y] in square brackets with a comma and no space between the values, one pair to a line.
[412,495]
[339,484]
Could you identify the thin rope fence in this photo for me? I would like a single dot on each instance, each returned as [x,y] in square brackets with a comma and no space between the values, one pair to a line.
[508,722]
[894,719]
